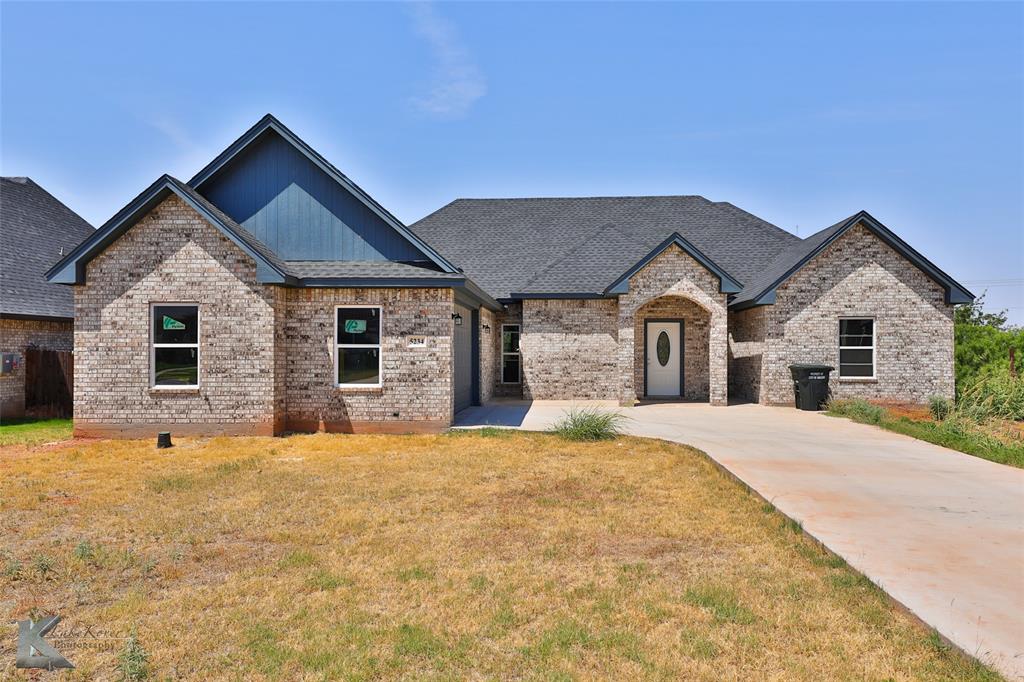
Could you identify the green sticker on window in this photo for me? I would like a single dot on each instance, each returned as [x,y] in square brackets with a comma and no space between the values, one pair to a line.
[171,323]
[355,326]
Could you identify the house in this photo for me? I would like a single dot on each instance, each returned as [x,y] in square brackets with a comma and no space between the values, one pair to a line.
[270,293]
[36,318]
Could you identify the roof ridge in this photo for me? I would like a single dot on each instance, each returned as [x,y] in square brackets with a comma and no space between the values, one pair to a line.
[575,198]
[565,254]
[743,213]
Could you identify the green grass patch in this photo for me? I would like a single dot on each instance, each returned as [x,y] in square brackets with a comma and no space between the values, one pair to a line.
[34,431]
[721,602]
[174,483]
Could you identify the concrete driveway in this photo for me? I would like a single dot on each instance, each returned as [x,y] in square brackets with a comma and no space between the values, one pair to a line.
[940,531]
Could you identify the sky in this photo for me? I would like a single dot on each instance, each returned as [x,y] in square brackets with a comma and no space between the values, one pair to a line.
[801,113]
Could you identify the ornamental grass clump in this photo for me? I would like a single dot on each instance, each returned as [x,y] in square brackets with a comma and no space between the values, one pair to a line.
[589,424]
[858,410]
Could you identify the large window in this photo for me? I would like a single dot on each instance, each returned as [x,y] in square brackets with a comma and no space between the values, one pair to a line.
[175,348]
[357,334]
[857,348]
[510,360]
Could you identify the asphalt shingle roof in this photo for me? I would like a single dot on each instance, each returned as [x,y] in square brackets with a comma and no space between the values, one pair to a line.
[784,262]
[35,230]
[303,269]
[581,245]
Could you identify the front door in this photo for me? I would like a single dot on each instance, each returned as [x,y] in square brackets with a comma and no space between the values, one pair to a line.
[664,358]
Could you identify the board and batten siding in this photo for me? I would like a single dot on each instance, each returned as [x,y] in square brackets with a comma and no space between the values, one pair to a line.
[299,211]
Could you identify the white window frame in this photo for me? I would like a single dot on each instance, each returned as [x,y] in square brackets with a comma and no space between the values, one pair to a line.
[379,346]
[518,354]
[153,345]
[872,348]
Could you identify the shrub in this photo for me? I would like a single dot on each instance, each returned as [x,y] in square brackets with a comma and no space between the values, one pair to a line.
[996,395]
[133,662]
[857,409]
[940,407]
[589,424]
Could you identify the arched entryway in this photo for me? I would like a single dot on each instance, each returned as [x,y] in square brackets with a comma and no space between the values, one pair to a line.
[672,349]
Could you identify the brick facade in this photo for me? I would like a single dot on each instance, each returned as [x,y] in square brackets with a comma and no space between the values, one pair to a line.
[416,392]
[174,255]
[746,348]
[593,349]
[569,349]
[674,273]
[267,352]
[857,276]
[489,333]
[15,337]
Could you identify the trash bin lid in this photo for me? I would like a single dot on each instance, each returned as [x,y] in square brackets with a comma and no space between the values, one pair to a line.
[811,365]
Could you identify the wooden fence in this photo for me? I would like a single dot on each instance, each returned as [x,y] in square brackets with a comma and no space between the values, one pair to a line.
[49,382]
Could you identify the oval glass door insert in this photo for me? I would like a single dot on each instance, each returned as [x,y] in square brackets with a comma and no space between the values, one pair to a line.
[664,349]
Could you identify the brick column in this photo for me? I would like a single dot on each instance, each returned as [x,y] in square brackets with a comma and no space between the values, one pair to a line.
[627,393]
[718,349]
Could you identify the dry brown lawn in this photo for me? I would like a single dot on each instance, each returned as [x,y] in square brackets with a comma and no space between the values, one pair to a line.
[484,556]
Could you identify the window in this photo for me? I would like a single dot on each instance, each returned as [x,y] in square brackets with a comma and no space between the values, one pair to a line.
[175,348]
[510,366]
[357,335]
[857,348]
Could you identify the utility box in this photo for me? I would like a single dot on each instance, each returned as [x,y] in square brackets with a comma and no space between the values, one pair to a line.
[10,363]
[810,385]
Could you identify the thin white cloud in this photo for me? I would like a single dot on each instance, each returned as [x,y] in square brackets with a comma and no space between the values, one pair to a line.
[191,154]
[457,81]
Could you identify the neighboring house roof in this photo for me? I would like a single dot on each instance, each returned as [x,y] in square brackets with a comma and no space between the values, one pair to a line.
[270,124]
[37,230]
[761,289]
[583,245]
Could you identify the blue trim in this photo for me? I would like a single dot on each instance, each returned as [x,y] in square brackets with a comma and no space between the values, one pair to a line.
[727,284]
[71,269]
[955,292]
[475,357]
[269,122]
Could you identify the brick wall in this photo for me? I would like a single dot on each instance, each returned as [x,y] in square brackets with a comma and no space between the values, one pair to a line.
[569,349]
[860,276]
[673,273]
[489,331]
[15,336]
[417,390]
[174,255]
[746,347]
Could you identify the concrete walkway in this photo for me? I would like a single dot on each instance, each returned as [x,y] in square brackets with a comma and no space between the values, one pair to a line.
[940,531]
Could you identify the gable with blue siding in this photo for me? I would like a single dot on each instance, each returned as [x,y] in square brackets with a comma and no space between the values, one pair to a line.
[299,211]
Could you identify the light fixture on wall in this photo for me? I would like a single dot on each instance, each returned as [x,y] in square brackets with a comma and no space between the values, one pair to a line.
[458,319]
[487,327]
